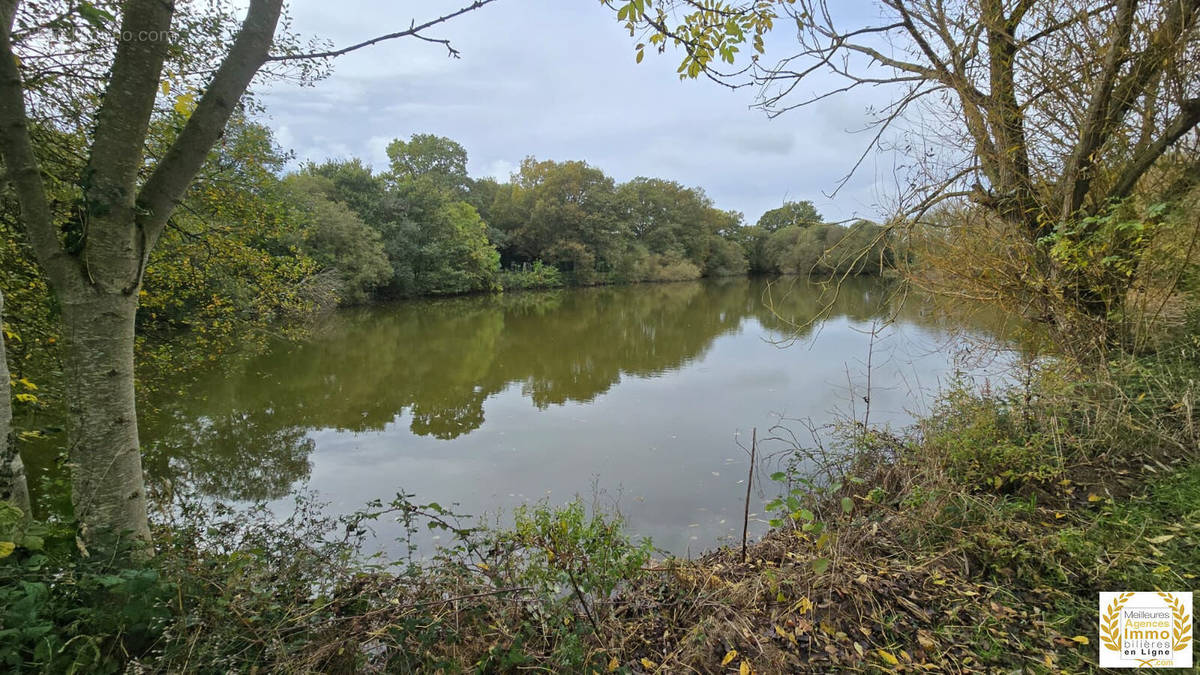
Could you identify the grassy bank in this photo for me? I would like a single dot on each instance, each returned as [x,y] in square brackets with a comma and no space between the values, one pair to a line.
[973,542]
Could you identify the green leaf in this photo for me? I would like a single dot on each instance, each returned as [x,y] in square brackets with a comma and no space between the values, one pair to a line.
[820,565]
[33,542]
[847,504]
[6,548]
[93,15]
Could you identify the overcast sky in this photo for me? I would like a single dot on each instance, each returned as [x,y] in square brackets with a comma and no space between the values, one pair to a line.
[556,79]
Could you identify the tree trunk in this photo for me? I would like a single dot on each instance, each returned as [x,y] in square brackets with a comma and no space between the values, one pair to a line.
[108,490]
[13,488]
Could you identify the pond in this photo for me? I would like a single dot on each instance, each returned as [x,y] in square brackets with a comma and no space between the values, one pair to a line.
[639,397]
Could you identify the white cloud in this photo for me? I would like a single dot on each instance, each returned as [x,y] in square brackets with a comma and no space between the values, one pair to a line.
[557,80]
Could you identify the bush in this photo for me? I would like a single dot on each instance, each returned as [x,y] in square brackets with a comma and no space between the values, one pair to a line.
[61,612]
[245,590]
[726,258]
[989,441]
[669,267]
[536,275]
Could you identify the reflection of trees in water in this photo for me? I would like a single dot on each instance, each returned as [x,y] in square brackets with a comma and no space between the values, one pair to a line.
[793,306]
[242,454]
[439,360]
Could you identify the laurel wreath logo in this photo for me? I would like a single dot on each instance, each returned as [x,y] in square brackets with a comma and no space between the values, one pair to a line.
[1181,633]
[1110,635]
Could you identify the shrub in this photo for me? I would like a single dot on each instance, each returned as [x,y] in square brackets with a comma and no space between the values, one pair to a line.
[669,267]
[526,275]
[987,443]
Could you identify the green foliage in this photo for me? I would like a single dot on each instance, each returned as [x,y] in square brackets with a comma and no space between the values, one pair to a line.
[571,551]
[526,275]
[63,613]
[1167,516]
[461,257]
[356,185]
[227,271]
[337,239]
[564,214]
[439,159]
[576,218]
[245,590]
[989,443]
[791,214]
[434,241]
[30,323]
[664,217]
[669,266]
[824,249]
[1102,255]
[725,258]
[709,33]
[753,241]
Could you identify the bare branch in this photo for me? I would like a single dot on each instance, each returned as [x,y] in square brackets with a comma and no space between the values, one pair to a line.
[413,30]
[1075,179]
[1187,119]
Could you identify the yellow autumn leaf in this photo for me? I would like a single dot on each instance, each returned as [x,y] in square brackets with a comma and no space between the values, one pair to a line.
[166,87]
[1093,497]
[648,664]
[6,548]
[613,664]
[888,657]
[1081,639]
[184,104]
[729,656]
[744,669]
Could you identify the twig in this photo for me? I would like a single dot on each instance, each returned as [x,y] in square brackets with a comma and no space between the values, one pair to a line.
[413,31]
[472,596]
[583,603]
[870,356]
[749,482]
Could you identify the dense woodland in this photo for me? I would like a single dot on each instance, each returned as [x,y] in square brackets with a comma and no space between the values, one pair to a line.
[256,245]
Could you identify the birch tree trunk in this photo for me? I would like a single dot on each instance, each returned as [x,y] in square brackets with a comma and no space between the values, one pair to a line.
[107,486]
[13,488]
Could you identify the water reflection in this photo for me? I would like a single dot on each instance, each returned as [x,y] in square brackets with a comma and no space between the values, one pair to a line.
[499,399]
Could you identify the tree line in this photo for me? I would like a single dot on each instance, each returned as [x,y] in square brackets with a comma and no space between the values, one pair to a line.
[423,226]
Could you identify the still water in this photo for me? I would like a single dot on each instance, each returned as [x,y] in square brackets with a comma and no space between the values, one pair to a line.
[637,396]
